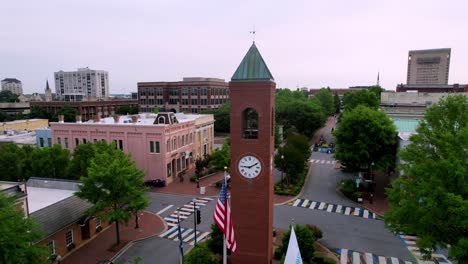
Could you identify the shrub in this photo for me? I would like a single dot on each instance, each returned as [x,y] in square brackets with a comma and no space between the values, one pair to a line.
[315,231]
[319,258]
[347,186]
[199,255]
[356,195]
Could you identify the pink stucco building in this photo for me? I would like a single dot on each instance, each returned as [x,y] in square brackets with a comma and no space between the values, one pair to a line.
[162,145]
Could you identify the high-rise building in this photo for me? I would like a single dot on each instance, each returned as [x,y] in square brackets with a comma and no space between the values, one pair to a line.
[428,66]
[84,84]
[13,85]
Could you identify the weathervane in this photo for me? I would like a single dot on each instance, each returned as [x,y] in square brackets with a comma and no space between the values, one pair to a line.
[253,34]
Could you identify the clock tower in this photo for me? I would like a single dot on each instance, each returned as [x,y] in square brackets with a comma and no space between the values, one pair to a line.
[252,96]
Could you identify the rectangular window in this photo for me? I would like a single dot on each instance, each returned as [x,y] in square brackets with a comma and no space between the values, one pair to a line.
[69,237]
[66,143]
[51,247]
[151,146]
[59,141]
[169,170]
[121,144]
[49,142]
[41,142]
[98,222]
[157,147]
[178,165]
[194,101]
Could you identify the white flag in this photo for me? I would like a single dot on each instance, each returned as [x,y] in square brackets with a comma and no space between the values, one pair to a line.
[293,255]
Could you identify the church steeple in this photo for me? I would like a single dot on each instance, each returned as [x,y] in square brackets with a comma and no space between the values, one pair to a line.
[378,78]
[252,67]
[48,92]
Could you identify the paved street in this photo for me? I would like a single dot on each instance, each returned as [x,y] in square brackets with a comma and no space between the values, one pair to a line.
[346,230]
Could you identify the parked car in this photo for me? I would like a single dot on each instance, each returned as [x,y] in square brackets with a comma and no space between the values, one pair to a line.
[155,183]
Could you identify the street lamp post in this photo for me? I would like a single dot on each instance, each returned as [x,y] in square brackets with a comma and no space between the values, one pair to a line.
[282,169]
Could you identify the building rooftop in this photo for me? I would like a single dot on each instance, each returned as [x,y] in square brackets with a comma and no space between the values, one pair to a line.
[60,214]
[252,67]
[143,119]
[43,192]
[20,137]
[11,80]
[430,51]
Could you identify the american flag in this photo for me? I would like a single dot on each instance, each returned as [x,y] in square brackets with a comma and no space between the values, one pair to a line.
[222,218]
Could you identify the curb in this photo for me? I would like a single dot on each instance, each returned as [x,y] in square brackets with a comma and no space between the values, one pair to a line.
[131,243]
[302,190]
[336,257]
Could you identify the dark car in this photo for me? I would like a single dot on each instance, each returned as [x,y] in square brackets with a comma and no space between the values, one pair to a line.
[155,183]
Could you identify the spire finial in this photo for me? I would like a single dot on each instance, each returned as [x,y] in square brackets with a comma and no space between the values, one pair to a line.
[253,34]
[378,78]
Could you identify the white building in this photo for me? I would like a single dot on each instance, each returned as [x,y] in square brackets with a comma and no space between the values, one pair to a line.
[13,85]
[84,84]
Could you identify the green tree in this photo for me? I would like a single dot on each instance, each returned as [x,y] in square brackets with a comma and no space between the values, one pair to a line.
[38,112]
[364,136]
[127,109]
[325,97]
[430,198]
[377,90]
[69,113]
[17,235]
[10,165]
[221,158]
[222,117]
[3,117]
[337,103]
[364,97]
[305,240]
[200,255]
[113,185]
[52,162]
[8,97]
[82,156]
[215,243]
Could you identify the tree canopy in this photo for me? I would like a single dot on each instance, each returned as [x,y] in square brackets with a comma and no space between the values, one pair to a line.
[8,97]
[364,97]
[430,198]
[295,111]
[17,233]
[325,98]
[113,184]
[364,136]
[337,103]
[222,117]
[127,109]
[69,113]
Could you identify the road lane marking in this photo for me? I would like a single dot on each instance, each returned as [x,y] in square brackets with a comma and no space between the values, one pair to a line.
[312,206]
[369,259]
[356,211]
[304,204]
[164,209]
[366,214]
[338,209]
[322,205]
[330,208]
[356,259]
[347,211]
[296,202]
[382,260]
[344,256]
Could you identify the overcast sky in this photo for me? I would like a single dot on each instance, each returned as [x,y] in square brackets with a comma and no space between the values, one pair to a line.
[312,43]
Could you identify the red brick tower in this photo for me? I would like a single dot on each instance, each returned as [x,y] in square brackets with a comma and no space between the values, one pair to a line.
[252,95]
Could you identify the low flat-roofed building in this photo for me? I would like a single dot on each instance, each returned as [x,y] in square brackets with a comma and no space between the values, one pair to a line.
[18,137]
[61,214]
[18,191]
[433,88]
[162,145]
[27,124]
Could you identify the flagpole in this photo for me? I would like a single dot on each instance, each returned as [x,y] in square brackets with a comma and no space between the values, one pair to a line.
[224,235]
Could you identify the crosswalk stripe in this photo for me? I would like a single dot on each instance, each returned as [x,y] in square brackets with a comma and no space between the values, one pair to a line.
[347,211]
[312,206]
[366,214]
[334,162]
[304,204]
[344,256]
[382,260]
[374,216]
[192,236]
[317,161]
[312,160]
[410,242]
[184,233]
[356,211]
[170,219]
[322,162]
[369,259]
[394,260]
[297,202]
[171,224]
[168,231]
[330,208]
[356,259]
[328,162]
[171,236]
[407,262]
[408,237]
[338,208]
[187,209]
[322,205]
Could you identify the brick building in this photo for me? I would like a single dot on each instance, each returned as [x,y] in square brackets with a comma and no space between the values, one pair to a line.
[89,110]
[192,95]
[161,145]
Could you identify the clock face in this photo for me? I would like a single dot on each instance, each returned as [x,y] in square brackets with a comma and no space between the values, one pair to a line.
[249,167]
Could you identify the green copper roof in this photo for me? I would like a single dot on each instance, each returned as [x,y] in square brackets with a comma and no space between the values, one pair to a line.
[252,67]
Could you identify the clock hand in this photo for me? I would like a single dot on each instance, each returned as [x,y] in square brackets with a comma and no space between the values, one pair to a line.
[245,166]
[253,165]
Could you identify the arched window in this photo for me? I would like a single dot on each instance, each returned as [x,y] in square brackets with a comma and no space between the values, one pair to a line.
[161,120]
[250,124]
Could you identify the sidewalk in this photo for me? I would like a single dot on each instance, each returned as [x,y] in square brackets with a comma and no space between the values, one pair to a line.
[100,247]
[379,204]
[190,188]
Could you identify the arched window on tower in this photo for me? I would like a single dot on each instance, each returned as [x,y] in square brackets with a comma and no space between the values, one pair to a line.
[250,124]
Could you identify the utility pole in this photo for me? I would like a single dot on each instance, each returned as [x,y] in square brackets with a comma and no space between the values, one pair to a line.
[195,218]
